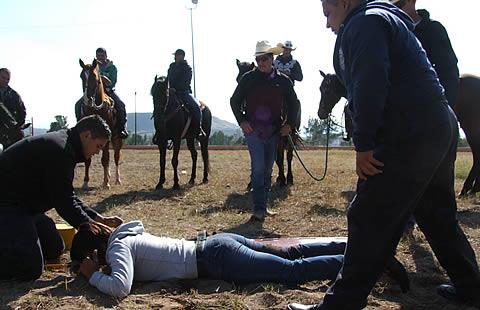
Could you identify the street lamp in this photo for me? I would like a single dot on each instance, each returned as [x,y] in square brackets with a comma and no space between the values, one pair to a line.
[192,4]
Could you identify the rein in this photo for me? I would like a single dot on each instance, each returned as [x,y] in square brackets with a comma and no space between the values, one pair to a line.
[318,179]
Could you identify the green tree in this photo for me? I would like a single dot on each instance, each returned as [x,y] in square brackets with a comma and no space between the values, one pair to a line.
[316,132]
[59,123]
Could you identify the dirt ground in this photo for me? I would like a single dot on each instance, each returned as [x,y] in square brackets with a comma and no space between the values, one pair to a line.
[307,208]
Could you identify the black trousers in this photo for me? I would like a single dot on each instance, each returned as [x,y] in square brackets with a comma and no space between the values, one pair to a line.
[418,179]
[27,240]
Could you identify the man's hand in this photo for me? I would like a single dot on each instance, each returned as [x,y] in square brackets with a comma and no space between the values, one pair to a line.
[110,221]
[367,165]
[285,130]
[89,265]
[246,128]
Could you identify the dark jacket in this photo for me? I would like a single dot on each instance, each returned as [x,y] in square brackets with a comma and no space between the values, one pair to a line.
[109,70]
[36,175]
[265,95]
[384,69]
[13,102]
[435,41]
[289,66]
[180,76]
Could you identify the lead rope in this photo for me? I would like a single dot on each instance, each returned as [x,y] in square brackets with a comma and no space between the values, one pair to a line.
[290,140]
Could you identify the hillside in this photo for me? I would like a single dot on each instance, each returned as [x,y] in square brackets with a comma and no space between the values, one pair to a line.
[145,124]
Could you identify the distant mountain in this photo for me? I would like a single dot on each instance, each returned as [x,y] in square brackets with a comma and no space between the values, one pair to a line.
[145,124]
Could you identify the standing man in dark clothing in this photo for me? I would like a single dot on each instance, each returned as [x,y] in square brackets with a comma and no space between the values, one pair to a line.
[36,175]
[265,91]
[179,78]
[435,41]
[287,65]
[397,105]
[11,99]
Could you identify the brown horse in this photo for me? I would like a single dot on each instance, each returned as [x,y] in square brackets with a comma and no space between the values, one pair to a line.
[467,109]
[283,143]
[96,101]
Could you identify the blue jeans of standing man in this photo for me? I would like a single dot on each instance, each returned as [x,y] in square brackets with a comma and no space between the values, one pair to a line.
[262,156]
[234,258]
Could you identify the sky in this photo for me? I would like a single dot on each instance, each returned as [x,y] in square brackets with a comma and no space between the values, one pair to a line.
[43,40]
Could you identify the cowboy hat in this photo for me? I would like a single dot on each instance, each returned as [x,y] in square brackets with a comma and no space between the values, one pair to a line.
[264,47]
[288,44]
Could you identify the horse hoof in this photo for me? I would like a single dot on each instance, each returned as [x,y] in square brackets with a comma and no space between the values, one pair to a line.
[106,186]
[191,182]
[281,183]
[205,181]
[290,182]
[85,188]
[176,186]
[159,186]
[118,182]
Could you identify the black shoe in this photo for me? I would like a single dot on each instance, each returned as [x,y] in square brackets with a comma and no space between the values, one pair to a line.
[295,306]
[448,291]
[123,134]
[398,273]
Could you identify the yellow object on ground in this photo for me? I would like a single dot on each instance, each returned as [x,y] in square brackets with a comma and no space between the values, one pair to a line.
[67,232]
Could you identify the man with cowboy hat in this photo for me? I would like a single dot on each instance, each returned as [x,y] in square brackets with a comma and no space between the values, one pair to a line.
[286,64]
[264,90]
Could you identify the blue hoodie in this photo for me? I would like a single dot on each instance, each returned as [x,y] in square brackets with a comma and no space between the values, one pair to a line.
[384,69]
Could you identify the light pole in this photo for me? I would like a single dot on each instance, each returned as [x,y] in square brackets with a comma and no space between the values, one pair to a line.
[135,134]
[192,4]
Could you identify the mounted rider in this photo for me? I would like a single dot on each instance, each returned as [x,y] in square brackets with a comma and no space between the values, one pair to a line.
[108,72]
[286,64]
[179,78]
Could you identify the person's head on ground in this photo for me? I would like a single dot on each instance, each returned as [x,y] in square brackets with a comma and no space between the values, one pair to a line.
[179,55]
[264,56]
[4,77]
[101,55]
[288,47]
[94,134]
[337,10]
[91,236]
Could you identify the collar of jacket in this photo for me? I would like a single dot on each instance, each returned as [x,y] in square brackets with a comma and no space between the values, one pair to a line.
[76,144]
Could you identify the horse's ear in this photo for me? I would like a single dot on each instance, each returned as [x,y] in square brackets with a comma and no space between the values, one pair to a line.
[253,64]
[82,64]
[94,63]
[238,62]
[323,73]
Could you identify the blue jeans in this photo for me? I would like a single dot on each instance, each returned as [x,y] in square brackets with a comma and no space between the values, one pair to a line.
[262,156]
[194,109]
[234,258]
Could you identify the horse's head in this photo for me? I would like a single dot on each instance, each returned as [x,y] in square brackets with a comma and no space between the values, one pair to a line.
[160,94]
[244,67]
[331,90]
[93,91]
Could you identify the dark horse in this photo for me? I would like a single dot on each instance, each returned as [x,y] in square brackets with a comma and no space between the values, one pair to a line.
[283,143]
[96,101]
[467,110]
[172,122]
[10,130]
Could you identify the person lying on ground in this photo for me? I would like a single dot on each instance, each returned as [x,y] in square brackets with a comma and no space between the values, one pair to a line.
[133,254]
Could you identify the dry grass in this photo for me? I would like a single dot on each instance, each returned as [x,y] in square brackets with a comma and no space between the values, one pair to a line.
[308,208]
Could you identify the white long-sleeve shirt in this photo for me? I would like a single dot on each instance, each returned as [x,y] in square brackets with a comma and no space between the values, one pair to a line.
[133,254]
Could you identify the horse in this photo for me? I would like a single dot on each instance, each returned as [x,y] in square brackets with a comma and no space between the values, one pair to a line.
[172,122]
[283,143]
[96,101]
[10,130]
[466,108]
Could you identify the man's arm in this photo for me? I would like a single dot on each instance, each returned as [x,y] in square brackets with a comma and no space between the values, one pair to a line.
[119,282]
[238,97]
[297,73]
[366,50]
[439,49]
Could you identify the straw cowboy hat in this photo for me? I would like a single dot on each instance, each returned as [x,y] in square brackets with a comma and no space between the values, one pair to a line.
[288,44]
[264,47]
